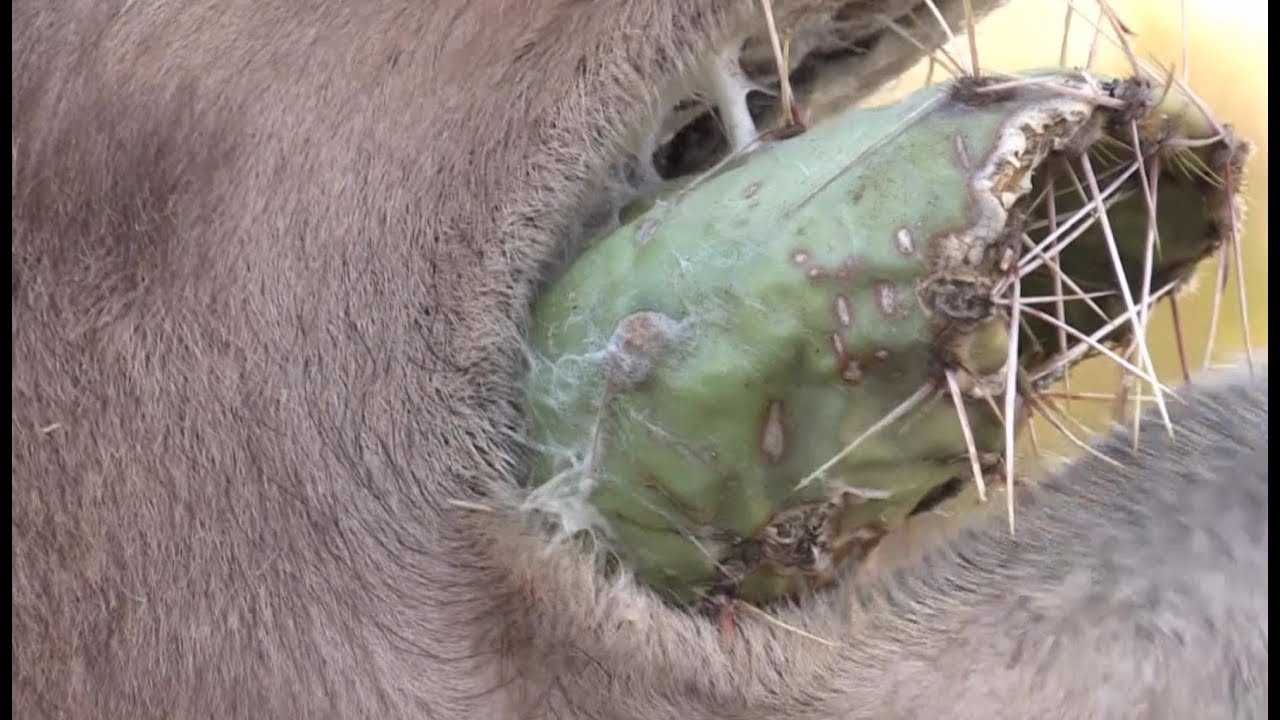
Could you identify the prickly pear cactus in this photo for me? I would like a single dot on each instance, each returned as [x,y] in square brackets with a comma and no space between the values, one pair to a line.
[754,379]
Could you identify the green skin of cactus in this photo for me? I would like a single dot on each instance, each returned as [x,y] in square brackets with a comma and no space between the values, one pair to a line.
[789,287]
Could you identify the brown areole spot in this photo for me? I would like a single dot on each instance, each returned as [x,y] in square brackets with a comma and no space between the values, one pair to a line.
[962,153]
[844,315]
[888,300]
[846,270]
[637,341]
[837,344]
[851,370]
[847,366]
[904,242]
[773,433]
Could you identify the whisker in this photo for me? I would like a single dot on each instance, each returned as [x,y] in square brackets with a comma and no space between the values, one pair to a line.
[1066,37]
[970,21]
[762,615]
[1011,394]
[972,447]
[942,21]
[1219,288]
[1233,239]
[1177,334]
[923,393]
[1050,415]
[1081,348]
[780,59]
[952,65]
[1118,265]
[1094,343]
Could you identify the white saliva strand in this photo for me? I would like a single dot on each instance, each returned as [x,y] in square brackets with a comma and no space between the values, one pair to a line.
[568,375]
[566,499]
[729,88]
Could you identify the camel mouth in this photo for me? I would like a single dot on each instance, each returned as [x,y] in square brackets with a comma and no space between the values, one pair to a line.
[836,58]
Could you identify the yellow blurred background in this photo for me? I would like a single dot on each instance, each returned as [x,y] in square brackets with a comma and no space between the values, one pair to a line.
[1225,45]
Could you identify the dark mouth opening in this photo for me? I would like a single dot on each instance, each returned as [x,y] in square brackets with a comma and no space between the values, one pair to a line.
[698,144]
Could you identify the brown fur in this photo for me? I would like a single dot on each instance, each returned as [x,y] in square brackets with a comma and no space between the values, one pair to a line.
[271,263]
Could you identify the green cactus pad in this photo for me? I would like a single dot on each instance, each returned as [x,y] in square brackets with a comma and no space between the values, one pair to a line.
[694,370]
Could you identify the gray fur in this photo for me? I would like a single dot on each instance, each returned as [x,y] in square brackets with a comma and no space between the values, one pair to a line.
[271,265]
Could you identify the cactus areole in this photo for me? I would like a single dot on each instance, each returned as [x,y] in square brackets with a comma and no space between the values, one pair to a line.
[699,375]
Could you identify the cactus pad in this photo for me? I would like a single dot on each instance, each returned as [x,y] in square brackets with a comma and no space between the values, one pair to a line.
[699,376]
